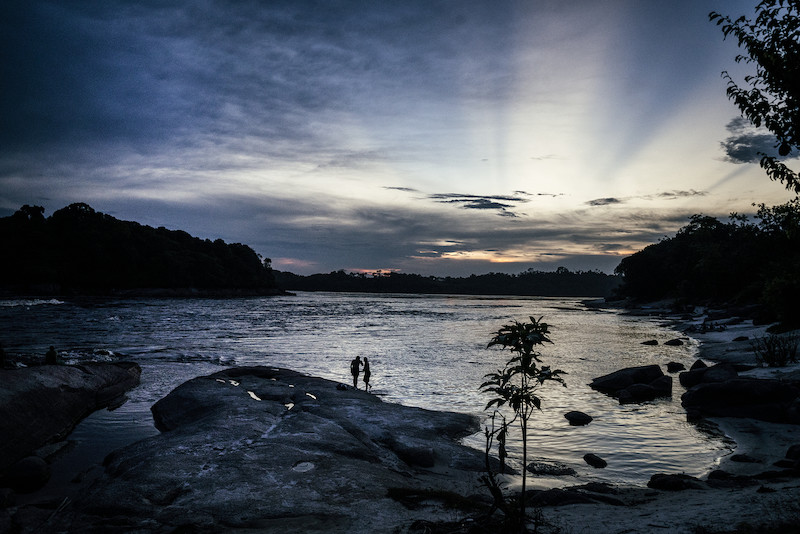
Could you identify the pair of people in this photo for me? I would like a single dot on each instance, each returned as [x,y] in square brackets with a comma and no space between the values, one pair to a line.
[355,369]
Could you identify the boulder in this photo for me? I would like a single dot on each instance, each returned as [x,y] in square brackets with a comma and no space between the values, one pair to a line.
[715,373]
[745,459]
[273,450]
[619,380]
[698,364]
[637,393]
[548,468]
[577,418]
[763,399]
[674,342]
[42,404]
[594,460]
[673,482]
[674,367]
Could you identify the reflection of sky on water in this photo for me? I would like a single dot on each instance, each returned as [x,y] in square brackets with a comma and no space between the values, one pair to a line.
[426,351]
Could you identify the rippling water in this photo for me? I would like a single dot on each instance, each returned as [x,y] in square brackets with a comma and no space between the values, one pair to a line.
[425,350]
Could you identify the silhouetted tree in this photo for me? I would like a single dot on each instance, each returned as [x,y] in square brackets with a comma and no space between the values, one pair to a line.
[771,97]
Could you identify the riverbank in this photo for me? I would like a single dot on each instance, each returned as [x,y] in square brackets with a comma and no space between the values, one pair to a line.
[747,492]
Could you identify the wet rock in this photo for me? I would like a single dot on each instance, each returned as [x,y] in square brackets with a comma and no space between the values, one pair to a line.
[27,475]
[763,399]
[715,373]
[794,452]
[674,342]
[744,458]
[698,364]
[42,404]
[673,482]
[619,380]
[325,461]
[594,460]
[650,342]
[637,393]
[553,469]
[577,418]
[674,367]
[740,338]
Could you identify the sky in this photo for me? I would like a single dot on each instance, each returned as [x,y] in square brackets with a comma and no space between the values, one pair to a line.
[431,137]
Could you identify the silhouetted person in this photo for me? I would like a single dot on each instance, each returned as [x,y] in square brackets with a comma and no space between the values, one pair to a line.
[51,358]
[355,368]
[366,374]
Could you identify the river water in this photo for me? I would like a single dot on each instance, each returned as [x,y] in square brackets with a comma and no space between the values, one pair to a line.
[424,350]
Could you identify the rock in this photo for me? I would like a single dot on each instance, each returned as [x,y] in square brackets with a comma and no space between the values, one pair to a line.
[577,418]
[785,463]
[715,373]
[650,342]
[674,367]
[594,460]
[42,404]
[673,482]
[637,393]
[740,338]
[619,380]
[305,458]
[660,387]
[674,342]
[27,475]
[794,452]
[698,364]
[766,400]
[554,469]
[744,458]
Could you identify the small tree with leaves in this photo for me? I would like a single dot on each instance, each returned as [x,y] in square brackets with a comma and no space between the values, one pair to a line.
[771,96]
[515,386]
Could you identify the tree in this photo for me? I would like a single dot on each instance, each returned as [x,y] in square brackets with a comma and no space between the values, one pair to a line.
[515,386]
[771,96]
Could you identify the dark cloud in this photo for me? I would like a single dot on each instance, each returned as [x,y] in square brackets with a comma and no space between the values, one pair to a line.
[477,202]
[679,194]
[604,201]
[404,189]
[747,144]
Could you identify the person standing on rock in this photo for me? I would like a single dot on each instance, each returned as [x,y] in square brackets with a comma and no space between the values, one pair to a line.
[367,374]
[51,358]
[355,369]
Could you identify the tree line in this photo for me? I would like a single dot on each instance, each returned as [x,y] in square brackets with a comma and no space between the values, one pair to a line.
[734,262]
[560,283]
[78,250]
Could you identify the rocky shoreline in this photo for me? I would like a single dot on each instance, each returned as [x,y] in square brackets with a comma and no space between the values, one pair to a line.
[264,449]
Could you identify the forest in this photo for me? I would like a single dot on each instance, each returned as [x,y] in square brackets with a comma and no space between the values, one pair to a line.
[560,283]
[738,262]
[80,251]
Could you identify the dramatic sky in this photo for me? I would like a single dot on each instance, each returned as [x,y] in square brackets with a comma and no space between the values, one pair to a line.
[435,137]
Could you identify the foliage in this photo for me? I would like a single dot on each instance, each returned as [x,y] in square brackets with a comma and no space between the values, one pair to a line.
[515,386]
[771,97]
[738,262]
[79,250]
[776,350]
[561,283]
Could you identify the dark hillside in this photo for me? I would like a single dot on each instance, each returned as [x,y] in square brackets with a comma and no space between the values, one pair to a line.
[80,251]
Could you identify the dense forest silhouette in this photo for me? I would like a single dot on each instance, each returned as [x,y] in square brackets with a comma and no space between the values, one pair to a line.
[738,262]
[561,283]
[78,250]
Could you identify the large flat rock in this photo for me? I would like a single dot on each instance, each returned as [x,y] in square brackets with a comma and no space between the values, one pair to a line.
[266,449]
[42,404]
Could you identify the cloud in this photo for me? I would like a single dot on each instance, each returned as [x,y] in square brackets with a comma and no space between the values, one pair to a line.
[747,144]
[501,203]
[604,201]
